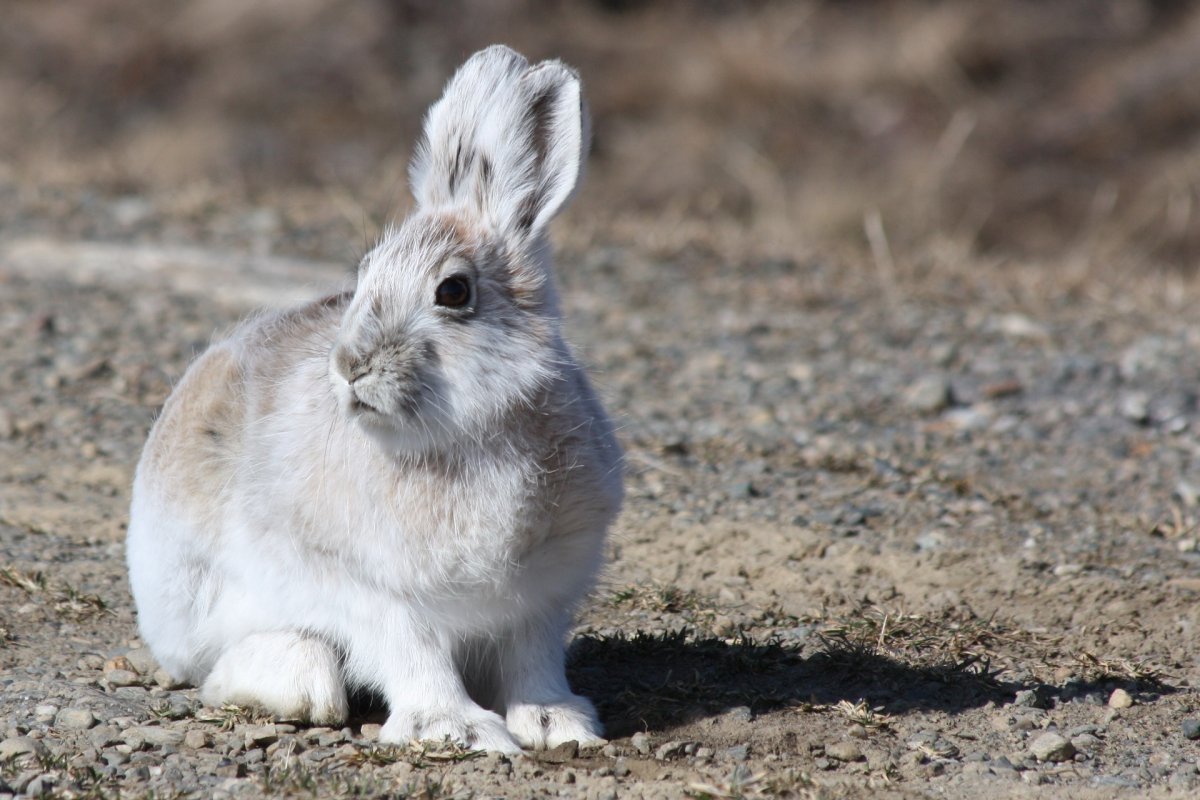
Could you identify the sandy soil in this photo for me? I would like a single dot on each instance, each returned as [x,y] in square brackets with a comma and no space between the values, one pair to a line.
[912,506]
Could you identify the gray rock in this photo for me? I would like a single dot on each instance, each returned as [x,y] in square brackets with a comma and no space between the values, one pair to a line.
[143,661]
[1135,407]
[103,736]
[160,737]
[1191,728]
[929,394]
[641,743]
[670,750]
[122,677]
[1052,746]
[1030,698]
[844,751]
[736,753]
[45,712]
[166,680]
[19,746]
[76,719]
[1120,699]
[260,735]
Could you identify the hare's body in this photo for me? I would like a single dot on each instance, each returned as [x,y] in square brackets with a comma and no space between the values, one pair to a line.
[396,488]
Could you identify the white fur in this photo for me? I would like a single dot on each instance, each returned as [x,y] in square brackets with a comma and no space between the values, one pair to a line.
[378,491]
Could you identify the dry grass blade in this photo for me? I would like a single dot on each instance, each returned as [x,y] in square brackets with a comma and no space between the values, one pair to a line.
[67,601]
[863,714]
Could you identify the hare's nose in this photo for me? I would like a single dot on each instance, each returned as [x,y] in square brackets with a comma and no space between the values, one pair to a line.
[347,366]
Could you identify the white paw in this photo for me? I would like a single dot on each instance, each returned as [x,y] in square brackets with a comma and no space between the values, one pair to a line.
[545,725]
[287,674]
[476,729]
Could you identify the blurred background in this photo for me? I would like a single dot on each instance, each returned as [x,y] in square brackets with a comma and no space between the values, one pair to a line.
[1055,132]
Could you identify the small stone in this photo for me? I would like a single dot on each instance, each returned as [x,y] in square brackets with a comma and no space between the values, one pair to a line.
[1120,699]
[195,739]
[561,754]
[39,786]
[119,663]
[1191,728]
[928,394]
[259,735]
[370,731]
[160,737]
[1135,407]
[45,713]
[1030,698]
[166,680]
[103,736]
[75,719]
[1052,747]
[737,753]
[142,660]
[330,738]
[19,746]
[844,751]
[670,750]
[641,743]
[122,677]
[90,661]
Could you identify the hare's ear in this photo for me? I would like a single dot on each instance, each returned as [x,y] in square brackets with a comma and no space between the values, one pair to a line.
[505,143]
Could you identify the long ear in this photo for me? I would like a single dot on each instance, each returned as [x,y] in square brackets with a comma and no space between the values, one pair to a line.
[506,143]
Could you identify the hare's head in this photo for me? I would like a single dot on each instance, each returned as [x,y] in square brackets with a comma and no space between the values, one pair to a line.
[454,320]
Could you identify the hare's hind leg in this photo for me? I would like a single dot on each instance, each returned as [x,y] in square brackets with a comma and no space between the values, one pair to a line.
[288,673]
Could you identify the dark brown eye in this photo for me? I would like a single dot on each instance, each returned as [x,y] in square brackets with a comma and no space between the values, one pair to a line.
[453,293]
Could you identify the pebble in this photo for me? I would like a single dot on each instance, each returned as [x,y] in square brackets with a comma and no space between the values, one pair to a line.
[370,731]
[122,677]
[45,713]
[104,736]
[641,743]
[844,751]
[1191,728]
[195,739]
[929,394]
[259,735]
[19,746]
[560,754]
[166,680]
[142,661]
[76,719]
[119,663]
[159,737]
[670,750]
[736,753]
[1120,699]
[1030,698]
[1052,746]
[1135,407]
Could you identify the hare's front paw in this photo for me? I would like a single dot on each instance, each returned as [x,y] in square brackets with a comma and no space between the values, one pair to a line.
[283,672]
[545,725]
[476,729]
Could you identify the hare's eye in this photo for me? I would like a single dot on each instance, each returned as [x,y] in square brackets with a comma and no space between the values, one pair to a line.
[453,292]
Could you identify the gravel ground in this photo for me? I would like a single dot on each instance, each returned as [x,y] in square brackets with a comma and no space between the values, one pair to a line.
[926,536]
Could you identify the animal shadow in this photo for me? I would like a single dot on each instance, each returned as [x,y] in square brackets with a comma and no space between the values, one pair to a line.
[659,681]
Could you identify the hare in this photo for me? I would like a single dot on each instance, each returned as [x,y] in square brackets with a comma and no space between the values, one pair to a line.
[405,487]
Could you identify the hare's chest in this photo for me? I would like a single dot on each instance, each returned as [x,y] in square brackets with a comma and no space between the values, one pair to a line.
[456,534]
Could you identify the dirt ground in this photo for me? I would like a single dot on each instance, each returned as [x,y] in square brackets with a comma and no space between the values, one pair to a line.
[894,304]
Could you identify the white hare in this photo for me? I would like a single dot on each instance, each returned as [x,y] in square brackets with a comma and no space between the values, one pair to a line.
[405,487]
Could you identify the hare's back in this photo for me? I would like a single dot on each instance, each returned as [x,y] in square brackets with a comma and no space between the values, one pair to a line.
[202,432]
